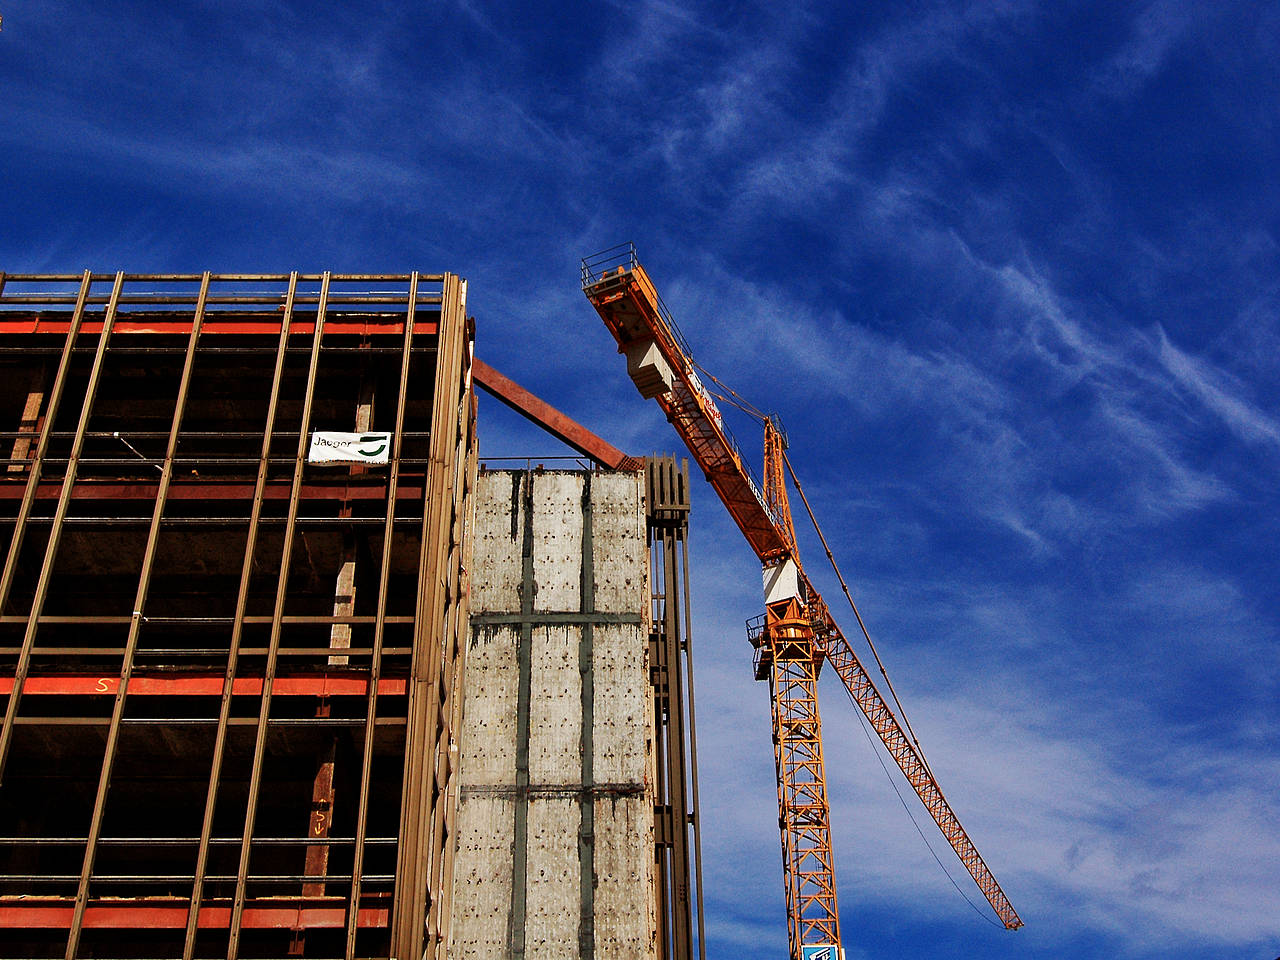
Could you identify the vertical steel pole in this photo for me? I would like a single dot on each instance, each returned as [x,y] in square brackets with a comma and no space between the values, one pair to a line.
[24,513]
[696,813]
[135,625]
[379,627]
[273,647]
[668,527]
[433,624]
[676,772]
[431,629]
[64,503]
[237,627]
[453,659]
[658,677]
[468,450]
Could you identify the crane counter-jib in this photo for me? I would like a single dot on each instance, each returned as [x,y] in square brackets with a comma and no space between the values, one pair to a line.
[660,365]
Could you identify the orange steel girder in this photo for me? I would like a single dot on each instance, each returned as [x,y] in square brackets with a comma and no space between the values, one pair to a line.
[808,866]
[832,644]
[775,487]
[559,425]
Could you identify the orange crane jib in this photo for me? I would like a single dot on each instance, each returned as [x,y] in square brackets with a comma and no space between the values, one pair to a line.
[798,632]
[629,305]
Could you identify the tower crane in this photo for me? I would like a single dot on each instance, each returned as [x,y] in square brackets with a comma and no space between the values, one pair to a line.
[797,632]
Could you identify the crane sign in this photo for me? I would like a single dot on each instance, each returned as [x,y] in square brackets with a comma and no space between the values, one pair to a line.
[797,633]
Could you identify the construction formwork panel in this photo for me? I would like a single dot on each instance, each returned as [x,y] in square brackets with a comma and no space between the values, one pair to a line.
[555,837]
[229,673]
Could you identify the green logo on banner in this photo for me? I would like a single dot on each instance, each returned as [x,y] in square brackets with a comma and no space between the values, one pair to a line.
[378,439]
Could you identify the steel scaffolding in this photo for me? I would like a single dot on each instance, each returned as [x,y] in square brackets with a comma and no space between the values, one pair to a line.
[229,672]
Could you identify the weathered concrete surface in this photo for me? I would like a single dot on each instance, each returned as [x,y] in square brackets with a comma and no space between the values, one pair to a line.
[555,853]
[492,678]
[622,700]
[482,875]
[620,556]
[555,714]
[553,915]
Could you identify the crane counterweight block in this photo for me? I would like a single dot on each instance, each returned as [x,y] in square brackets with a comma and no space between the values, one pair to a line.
[648,369]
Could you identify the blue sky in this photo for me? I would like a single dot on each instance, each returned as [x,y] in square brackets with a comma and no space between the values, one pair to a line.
[1009,273]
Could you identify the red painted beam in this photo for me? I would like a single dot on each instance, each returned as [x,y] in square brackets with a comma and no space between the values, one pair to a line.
[365,328]
[55,914]
[560,426]
[210,685]
[213,490]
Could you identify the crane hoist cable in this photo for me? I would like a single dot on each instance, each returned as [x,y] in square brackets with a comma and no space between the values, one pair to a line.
[746,406]
[902,712]
[737,400]
[862,725]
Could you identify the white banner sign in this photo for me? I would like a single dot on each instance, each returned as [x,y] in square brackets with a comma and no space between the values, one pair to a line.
[328,446]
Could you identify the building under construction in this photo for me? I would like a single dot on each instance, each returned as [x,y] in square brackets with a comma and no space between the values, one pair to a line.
[286,673]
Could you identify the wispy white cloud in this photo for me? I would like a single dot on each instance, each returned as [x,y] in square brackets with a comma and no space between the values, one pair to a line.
[481,19]
[815,161]
[1047,399]
[647,36]
[1155,32]
[1219,392]
[1095,812]
[1079,833]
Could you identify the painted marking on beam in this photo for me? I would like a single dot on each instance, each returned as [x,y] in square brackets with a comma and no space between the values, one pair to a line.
[241,327]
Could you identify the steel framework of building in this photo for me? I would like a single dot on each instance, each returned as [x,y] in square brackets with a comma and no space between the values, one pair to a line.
[229,672]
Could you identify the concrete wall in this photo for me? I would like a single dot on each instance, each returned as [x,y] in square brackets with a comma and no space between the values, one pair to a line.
[555,854]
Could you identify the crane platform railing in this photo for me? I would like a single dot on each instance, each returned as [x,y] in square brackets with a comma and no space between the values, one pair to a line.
[690,401]
[622,259]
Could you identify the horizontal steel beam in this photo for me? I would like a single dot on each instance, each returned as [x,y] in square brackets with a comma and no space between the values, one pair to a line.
[217,490]
[46,324]
[225,277]
[320,685]
[107,621]
[48,914]
[115,651]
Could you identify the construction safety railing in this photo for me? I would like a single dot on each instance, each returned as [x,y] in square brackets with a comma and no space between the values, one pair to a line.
[621,259]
